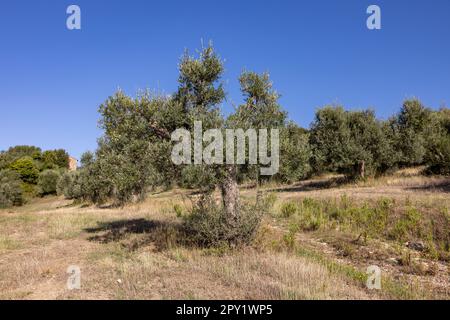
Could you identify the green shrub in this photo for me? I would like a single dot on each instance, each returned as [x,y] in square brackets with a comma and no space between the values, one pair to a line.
[311,204]
[65,184]
[439,159]
[178,210]
[288,209]
[29,190]
[208,225]
[312,222]
[27,169]
[267,202]
[54,159]
[10,189]
[48,181]
[70,185]
[17,152]
[408,226]
[378,218]
[295,154]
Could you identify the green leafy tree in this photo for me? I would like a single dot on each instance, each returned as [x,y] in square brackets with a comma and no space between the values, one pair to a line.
[10,189]
[349,142]
[330,140]
[48,181]
[87,159]
[261,110]
[409,128]
[437,137]
[26,168]
[17,152]
[135,149]
[134,153]
[54,159]
[295,153]
[73,185]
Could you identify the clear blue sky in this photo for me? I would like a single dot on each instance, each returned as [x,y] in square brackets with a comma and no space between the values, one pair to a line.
[52,80]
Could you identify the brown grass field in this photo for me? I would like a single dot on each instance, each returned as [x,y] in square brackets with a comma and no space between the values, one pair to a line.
[134,252]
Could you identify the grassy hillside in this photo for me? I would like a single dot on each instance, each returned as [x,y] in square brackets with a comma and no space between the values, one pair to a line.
[310,247]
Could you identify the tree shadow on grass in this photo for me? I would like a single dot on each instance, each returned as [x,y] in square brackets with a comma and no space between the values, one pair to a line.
[136,233]
[315,185]
[435,187]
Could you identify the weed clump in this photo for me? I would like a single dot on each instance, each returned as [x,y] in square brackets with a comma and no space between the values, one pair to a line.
[288,209]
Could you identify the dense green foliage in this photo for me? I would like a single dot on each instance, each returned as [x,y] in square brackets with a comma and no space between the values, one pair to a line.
[342,141]
[50,159]
[26,168]
[47,181]
[437,137]
[54,159]
[409,128]
[133,155]
[29,164]
[10,189]
[208,224]
[295,153]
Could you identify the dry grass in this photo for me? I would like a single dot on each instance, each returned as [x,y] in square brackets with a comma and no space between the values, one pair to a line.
[133,252]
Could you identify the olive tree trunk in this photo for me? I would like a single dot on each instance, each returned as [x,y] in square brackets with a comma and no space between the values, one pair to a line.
[230,193]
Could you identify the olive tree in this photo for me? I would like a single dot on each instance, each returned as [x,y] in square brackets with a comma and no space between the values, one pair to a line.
[349,142]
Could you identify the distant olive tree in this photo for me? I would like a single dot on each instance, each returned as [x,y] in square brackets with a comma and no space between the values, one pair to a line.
[295,154]
[437,138]
[48,181]
[409,127]
[349,142]
[11,193]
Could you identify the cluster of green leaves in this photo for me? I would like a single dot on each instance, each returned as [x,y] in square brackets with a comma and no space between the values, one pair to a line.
[37,172]
[134,153]
[342,140]
[437,137]
[11,193]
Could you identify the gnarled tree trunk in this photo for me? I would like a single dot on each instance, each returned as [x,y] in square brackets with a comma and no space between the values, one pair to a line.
[230,193]
[362,169]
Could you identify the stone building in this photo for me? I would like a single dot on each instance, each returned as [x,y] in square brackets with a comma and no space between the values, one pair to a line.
[73,163]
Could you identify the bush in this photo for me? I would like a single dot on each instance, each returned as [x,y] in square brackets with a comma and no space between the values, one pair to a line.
[288,209]
[54,159]
[268,201]
[83,184]
[27,169]
[409,226]
[10,190]
[310,214]
[178,210]
[64,184]
[439,162]
[70,185]
[29,190]
[295,154]
[17,152]
[48,181]
[208,225]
